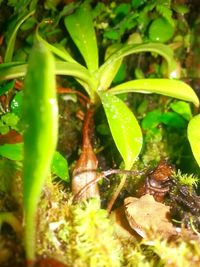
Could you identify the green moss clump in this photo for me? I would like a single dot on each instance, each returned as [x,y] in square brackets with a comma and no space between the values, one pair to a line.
[76,234]
[92,241]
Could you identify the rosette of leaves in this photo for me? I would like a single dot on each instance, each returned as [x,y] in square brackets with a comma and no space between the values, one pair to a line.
[97,80]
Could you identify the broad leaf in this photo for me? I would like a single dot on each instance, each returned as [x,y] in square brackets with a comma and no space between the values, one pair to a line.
[182,108]
[128,49]
[172,88]
[12,151]
[81,30]
[59,166]
[194,136]
[124,127]
[11,42]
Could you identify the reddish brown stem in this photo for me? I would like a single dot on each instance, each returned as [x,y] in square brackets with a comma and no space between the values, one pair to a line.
[62,90]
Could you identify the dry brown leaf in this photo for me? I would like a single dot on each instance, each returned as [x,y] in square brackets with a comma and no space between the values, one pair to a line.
[145,214]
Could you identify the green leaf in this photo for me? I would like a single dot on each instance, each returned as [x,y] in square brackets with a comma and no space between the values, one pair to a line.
[6,87]
[16,103]
[81,30]
[12,151]
[40,114]
[122,9]
[10,119]
[161,30]
[111,34]
[59,166]
[80,73]
[172,119]
[4,129]
[111,71]
[28,24]
[124,127]
[182,108]
[11,42]
[121,74]
[152,119]
[167,87]
[128,49]
[193,132]
[12,70]
[61,53]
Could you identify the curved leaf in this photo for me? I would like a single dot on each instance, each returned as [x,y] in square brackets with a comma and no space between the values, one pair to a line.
[128,49]
[18,69]
[81,29]
[194,136]
[106,78]
[124,127]
[12,70]
[172,88]
[63,54]
[15,70]
[11,42]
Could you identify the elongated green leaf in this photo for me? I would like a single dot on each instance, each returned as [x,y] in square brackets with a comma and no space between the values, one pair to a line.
[15,70]
[129,49]
[194,136]
[63,54]
[111,71]
[172,88]
[40,112]
[124,127]
[11,42]
[12,70]
[80,73]
[80,27]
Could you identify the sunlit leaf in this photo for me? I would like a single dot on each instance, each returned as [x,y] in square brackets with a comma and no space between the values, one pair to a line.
[128,49]
[194,136]
[167,87]
[81,29]
[124,127]
[106,78]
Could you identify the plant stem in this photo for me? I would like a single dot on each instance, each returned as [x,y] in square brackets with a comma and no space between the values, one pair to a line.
[86,166]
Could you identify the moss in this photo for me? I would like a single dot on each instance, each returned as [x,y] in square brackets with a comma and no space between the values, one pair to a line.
[82,235]
[78,234]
